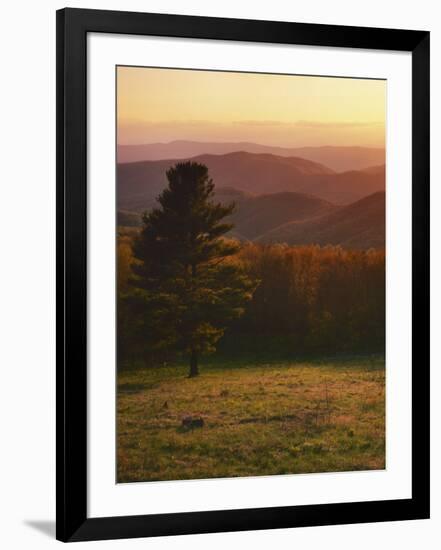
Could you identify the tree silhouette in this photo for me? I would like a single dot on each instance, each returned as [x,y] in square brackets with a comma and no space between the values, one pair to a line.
[187,285]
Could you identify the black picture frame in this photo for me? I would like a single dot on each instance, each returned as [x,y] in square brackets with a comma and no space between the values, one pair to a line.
[71,428]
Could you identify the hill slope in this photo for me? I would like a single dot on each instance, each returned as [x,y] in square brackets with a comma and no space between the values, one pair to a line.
[358,225]
[255,216]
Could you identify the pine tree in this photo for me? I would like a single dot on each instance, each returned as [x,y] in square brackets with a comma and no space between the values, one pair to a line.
[186,282]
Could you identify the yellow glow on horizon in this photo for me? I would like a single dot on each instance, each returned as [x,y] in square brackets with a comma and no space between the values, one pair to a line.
[160,105]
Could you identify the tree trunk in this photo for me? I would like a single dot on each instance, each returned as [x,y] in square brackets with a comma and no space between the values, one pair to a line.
[194,369]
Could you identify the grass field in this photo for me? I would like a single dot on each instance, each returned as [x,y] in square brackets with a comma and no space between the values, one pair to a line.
[259,419]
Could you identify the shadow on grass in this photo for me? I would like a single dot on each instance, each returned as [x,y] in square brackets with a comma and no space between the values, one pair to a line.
[367,361]
[242,361]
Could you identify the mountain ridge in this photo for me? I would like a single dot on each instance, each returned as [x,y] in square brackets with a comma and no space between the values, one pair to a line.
[141,182]
[337,158]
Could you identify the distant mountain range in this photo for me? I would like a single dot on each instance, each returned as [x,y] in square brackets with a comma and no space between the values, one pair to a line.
[279,199]
[139,183]
[338,159]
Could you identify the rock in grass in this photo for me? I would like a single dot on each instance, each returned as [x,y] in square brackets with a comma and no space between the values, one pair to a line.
[191,422]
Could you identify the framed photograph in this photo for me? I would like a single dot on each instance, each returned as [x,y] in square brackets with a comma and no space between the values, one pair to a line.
[242,275]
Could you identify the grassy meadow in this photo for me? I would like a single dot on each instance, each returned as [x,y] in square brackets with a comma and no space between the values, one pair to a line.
[260,418]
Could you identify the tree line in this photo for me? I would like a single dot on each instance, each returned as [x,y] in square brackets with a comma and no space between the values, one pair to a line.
[312,299]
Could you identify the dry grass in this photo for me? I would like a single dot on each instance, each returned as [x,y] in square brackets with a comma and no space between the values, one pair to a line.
[266,419]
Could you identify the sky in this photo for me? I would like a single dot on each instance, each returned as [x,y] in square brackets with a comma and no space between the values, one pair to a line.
[163,105]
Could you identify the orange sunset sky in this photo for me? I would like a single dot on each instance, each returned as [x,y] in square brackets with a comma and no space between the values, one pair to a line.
[162,105]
